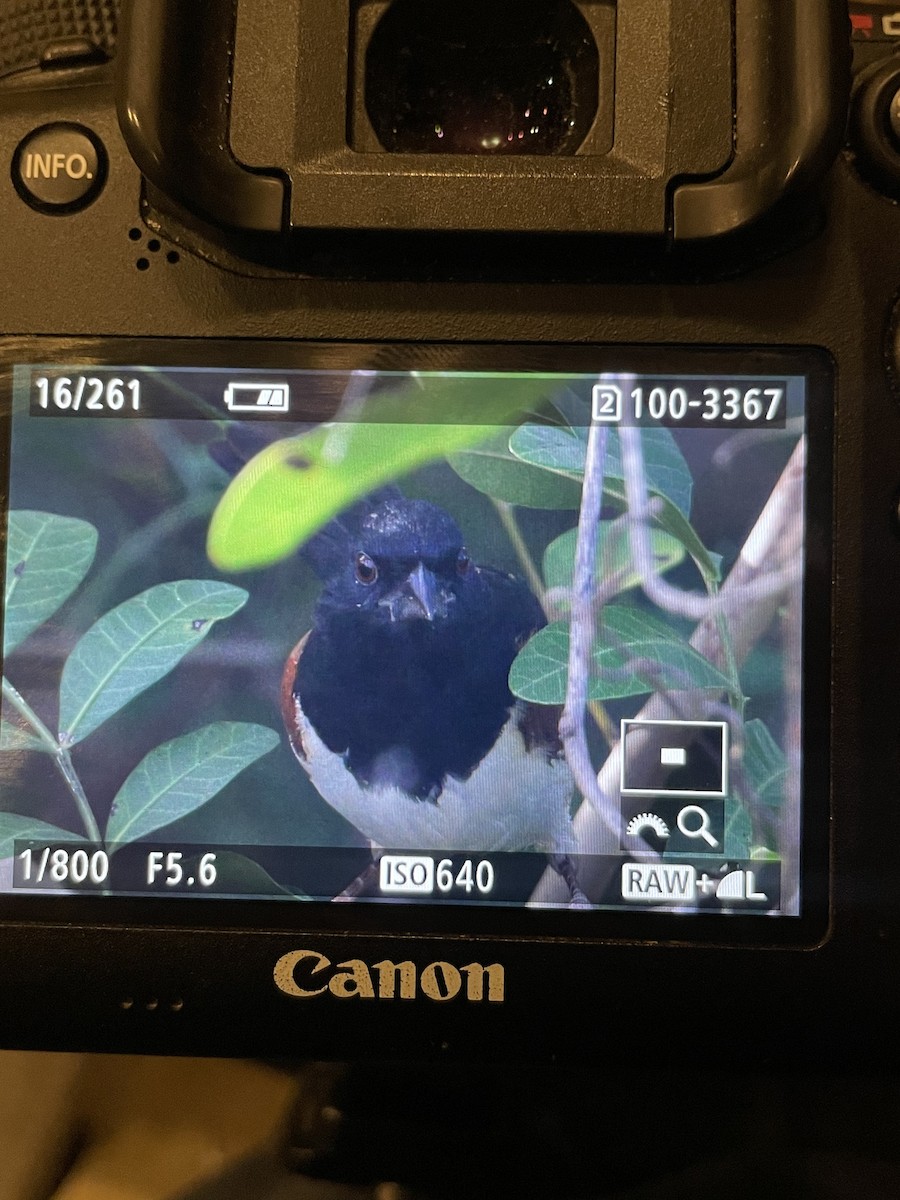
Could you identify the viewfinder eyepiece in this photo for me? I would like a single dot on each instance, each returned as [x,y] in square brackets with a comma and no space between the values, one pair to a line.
[482,77]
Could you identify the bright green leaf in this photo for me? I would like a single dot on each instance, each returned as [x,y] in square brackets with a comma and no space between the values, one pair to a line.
[626,633]
[613,555]
[180,776]
[47,557]
[135,645]
[492,468]
[294,487]
[14,828]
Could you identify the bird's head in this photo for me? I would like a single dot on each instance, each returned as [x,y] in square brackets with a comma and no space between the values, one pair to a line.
[405,562]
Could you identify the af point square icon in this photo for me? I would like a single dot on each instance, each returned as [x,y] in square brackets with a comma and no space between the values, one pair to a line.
[674,758]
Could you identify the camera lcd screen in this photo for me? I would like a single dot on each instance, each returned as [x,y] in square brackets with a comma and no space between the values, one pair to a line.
[412,636]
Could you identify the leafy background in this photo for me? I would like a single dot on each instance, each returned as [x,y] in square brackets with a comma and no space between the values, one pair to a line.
[150,489]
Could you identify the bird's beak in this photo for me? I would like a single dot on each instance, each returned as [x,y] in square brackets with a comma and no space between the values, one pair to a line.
[422,586]
[418,597]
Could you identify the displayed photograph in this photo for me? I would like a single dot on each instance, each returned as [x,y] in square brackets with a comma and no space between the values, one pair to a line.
[417,637]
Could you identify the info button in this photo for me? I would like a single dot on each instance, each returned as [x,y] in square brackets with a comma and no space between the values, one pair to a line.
[59,168]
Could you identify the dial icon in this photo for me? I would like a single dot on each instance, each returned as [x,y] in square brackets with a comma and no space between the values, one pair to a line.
[647,820]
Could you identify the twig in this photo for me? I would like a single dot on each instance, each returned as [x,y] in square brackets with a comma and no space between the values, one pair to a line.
[581,643]
[770,549]
[61,758]
[514,533]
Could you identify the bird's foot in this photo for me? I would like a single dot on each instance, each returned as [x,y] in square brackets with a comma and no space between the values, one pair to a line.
[565,868]
[362,885]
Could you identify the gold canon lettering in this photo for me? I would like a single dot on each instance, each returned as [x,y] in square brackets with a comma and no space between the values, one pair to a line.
[353,979]
[388,975]
[476,974]
[441,981]
[287,965]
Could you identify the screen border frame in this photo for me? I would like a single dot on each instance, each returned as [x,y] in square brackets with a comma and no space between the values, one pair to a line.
[495,924]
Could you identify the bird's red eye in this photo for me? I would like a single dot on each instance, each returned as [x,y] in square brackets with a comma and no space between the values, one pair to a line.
[366,570]
[463,563]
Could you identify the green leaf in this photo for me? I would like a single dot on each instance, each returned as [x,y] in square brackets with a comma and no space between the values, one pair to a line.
[135,645]
[180,776]
[14,828]
[47,557]
[294,487]
[540,672]
[613,555]
[561,453]
[13,738]
[764,764]
[492,468]
[237,875]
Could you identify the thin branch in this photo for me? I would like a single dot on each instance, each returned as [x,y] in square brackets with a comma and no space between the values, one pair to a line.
[523,554]
[581,643]
[61,758]
[771,549]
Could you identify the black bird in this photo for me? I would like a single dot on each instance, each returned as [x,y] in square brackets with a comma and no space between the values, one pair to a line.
[397,701]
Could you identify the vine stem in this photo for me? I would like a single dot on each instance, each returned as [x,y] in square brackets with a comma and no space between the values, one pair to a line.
[532,574]
[61,758]
[581,634]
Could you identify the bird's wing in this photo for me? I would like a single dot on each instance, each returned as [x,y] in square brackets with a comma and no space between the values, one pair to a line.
[289,703]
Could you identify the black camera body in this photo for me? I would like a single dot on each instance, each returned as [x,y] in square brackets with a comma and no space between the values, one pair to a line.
[242,206]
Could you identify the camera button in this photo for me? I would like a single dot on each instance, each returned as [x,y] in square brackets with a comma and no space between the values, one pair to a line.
[59,168]
[894,118]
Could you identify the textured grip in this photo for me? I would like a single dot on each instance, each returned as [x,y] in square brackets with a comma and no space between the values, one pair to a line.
[29,27]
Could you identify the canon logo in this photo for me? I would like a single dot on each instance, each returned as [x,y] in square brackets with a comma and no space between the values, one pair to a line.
[307,973]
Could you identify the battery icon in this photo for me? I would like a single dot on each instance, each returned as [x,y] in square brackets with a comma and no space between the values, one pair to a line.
[258,397]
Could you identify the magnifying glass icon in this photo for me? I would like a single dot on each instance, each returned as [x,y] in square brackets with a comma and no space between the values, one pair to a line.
[701,830]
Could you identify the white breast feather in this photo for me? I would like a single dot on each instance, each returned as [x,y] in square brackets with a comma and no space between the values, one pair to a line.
[513,800]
